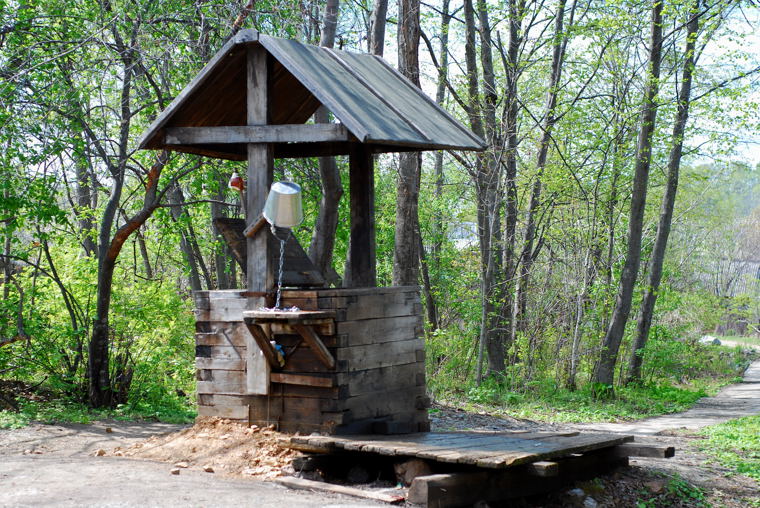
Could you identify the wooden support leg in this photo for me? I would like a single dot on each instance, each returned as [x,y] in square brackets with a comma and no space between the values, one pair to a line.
[314,342]
[263,342]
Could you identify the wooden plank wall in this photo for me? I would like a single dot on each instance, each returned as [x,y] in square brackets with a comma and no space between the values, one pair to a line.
[378,384]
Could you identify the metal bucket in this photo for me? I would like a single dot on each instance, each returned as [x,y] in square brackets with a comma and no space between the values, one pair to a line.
[283,207]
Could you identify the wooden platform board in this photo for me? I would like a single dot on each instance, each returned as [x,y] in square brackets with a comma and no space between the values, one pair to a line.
[493,450]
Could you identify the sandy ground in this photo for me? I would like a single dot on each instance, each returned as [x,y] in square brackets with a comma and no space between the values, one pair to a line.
[55,465]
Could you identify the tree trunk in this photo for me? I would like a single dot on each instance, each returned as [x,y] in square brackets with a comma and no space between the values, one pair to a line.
[605,369]
[376,38]
[406,246]
[668,202]
[438,228]
[516,14]
[484,231]
[84,199]
[430,306]
[225,266]
[323,236]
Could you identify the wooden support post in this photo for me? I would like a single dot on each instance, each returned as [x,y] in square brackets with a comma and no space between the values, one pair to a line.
[316,345]
[257,367]
[262,340]
[360,265]
[260,271]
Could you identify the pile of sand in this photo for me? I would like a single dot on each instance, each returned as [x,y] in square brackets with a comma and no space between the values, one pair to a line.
[219,446]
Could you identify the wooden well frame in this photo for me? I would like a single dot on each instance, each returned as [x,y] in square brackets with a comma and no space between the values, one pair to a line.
[352,359]
[377,383]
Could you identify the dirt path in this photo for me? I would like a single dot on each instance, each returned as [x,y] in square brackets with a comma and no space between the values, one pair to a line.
[733,401]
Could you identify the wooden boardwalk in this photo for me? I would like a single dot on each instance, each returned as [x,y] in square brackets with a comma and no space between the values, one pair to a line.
[492,450]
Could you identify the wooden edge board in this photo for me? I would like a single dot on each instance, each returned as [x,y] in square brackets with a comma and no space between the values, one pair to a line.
[303,484]
[296,317]
[641,450]
[580,444]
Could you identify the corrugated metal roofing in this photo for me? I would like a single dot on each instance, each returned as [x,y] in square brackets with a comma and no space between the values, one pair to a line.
[376,104]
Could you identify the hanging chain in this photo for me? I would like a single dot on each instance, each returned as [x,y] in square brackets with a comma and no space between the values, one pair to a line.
[279,274]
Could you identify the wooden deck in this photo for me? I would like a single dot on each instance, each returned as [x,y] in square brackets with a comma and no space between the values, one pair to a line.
[492,450]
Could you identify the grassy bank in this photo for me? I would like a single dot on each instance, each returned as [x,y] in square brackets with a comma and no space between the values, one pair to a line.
[676,377]
[42,406]
[735,445]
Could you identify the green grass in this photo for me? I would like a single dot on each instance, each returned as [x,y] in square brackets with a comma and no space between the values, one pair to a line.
[545,401]
[735,445]
[63,411]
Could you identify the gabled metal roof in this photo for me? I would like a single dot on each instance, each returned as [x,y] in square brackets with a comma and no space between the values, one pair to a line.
[376,104]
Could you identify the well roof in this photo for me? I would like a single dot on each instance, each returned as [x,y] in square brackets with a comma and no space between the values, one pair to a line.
[377,105]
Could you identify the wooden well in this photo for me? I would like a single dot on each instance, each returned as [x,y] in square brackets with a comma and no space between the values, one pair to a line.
[352,358]
[377,383]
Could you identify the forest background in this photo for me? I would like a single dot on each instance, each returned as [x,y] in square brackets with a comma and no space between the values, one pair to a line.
[622,167]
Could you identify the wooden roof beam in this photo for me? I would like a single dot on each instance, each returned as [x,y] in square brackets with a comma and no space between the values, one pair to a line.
[295,133]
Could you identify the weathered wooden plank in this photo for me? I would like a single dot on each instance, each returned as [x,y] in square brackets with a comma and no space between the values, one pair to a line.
[374,308]
[293,133]
[377,331]
[226,399]
[386,403]
[233,412]
[300,379]
[223,314]
[552,447]
[382,379]
[303,484]
[219,352]
[357,353]
[219,364]
[258,367]
[305,391]
[360,264]
[264,411]
[222,381]
[229,334]
[314,342]
[299,293]
[364,291]
[291,317]
[642,450]
[375,356]
[542,468]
